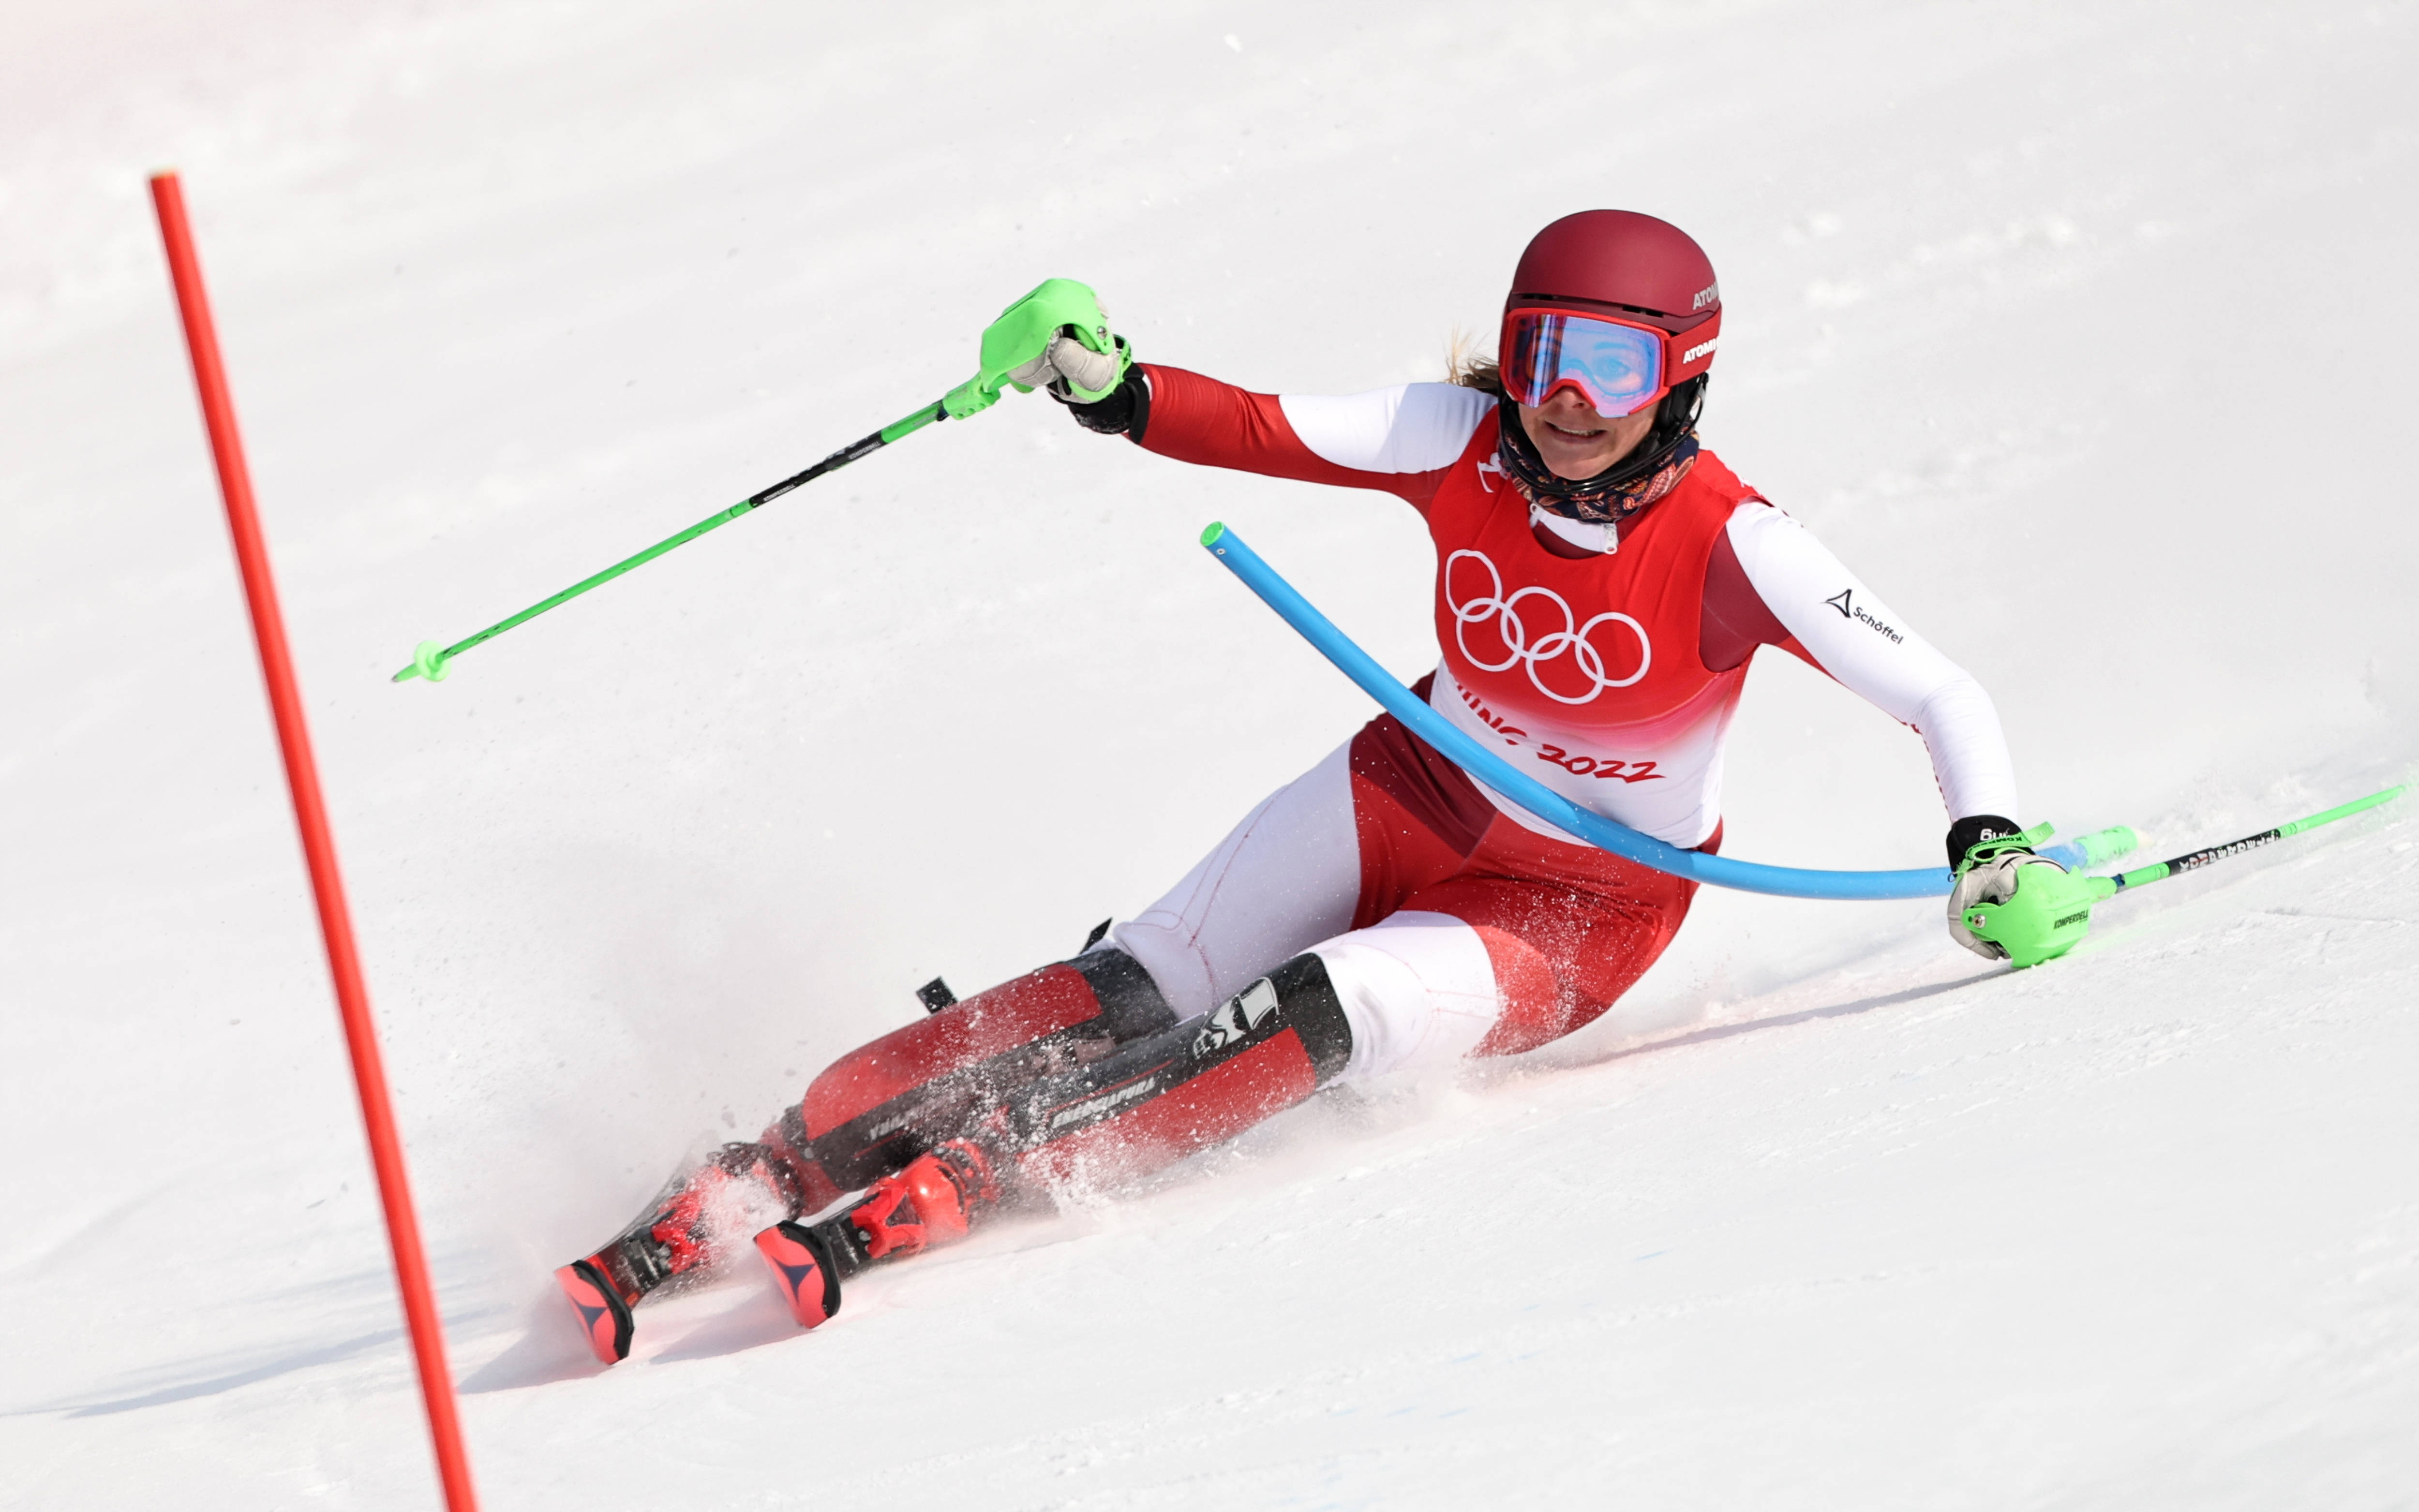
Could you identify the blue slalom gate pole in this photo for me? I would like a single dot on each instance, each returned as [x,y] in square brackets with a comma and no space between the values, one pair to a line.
[1487,767]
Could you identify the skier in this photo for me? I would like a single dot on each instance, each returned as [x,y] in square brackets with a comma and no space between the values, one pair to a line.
[1602,582]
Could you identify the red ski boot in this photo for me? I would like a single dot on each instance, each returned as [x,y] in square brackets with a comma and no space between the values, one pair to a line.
[604,1310]
[933,1202]
[804,1271]
[683,1231]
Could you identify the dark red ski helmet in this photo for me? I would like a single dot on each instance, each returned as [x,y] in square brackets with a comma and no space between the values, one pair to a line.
[1632,266]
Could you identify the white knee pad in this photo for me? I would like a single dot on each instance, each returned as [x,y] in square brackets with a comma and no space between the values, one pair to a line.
[1417,988]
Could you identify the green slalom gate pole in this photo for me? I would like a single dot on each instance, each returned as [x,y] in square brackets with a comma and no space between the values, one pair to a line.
[1023,332]
[2051,912]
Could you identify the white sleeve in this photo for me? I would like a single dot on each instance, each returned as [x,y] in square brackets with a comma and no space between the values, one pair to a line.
[1412,427]
[1857,639]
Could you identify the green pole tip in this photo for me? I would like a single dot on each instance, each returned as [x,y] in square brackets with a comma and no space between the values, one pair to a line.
[428,661]
[1217,529]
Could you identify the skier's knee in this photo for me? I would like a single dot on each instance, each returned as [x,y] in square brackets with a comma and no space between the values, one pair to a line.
[1422,988]
[1536,1007]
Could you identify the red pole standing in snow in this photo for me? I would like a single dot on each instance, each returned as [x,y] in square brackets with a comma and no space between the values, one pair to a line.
[319,847]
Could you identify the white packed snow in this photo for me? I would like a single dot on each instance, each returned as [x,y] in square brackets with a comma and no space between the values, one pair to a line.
[2083,332]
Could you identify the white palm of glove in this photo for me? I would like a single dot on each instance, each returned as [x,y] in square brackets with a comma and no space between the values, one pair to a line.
[1088,374]
[1991,881]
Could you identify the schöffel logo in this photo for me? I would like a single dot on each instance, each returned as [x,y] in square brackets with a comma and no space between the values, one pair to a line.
[1699,350]
[1710,294]
[1848,610]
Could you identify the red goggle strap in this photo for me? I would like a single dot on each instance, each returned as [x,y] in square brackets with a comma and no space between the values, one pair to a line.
[1691,352]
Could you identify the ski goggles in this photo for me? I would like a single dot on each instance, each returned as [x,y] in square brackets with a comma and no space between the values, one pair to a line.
[1617,367]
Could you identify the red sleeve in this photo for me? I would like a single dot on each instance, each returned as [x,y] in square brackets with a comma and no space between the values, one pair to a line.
[1735,619]
[1199,419]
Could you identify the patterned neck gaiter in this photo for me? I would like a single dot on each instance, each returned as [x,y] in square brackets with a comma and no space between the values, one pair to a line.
[1611,496]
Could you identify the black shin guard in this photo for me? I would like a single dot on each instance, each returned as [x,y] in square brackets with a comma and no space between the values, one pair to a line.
[1202,1081]
[949,1076]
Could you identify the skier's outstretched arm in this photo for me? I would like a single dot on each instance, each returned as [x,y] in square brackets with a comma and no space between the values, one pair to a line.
[1844,628]
[1847,630]
[1401,440]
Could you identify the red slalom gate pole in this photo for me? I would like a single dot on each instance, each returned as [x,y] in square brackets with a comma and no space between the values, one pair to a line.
[318,847]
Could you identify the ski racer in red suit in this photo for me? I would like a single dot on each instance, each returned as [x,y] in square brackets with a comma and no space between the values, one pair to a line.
[1601,582]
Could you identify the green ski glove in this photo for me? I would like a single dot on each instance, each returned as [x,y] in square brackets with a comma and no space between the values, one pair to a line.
[2009,904]
[1073,372]
[1057,334]
[1987,852]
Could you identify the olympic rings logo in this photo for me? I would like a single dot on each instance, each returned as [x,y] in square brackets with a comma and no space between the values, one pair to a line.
[1513,633]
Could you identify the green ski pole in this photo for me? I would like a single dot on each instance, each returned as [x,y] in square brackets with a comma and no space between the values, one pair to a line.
[428,661]
[2051,911]
[2161,871]
[1023,332]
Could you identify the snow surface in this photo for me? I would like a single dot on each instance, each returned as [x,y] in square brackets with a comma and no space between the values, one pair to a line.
[2082,330]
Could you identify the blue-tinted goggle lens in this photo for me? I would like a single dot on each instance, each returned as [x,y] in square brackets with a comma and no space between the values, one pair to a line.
[1618,369]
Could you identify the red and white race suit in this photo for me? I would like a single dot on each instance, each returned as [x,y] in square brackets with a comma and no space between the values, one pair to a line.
[1606,663]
